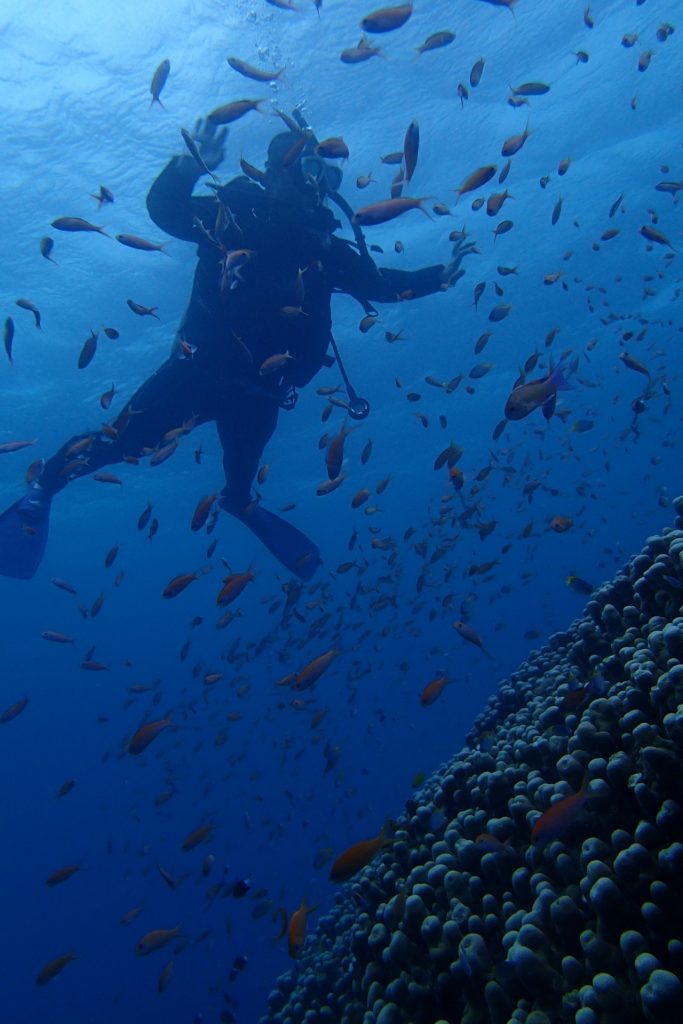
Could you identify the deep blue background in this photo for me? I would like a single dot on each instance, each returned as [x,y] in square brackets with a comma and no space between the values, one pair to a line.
[76,114]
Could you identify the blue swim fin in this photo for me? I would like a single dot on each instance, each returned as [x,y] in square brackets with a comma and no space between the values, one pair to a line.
[23,534]
[290,546]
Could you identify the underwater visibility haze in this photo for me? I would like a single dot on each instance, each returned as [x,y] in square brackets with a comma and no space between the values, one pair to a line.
[207,749]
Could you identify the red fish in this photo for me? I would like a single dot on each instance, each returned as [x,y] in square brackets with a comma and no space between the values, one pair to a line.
[230,112]
[88,350]
[178,584]
[196,837]
[62,874]
[201,513]
[311,672]
[296,932]
[76,224]
[387,18]
[14,446]
[467,633]
[560,524]
[155,940]
[146,733]
[557,819]
[135,242]
[387,209]
[11,712]
[233,585]
[54,968]
[432,691]
[334,456]
[356,857]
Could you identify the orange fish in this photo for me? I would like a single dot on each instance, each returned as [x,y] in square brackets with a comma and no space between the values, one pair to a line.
[164,453]
[386,19]
[230,112]
[146,733]
[387,209]
[197,836]
[327,486]
[333,149]
[11,712]
[62,874]
[179,583]
[233,585]
[277,361]
[356,857]
[201,513]
[556,820]
[256,74]
[130,915]
[311,672]
[560,524]
[56,638]
[296,932]
[76,224]
[456,477]
[515,142]
[107,478]
[476,179]
[165,977]
[357,54]
[467,633]
[155,940]
[54,967]
[135,242]
[334,456]
[432,691]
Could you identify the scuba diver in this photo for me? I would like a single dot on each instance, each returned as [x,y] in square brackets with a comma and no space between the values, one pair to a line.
[257,328]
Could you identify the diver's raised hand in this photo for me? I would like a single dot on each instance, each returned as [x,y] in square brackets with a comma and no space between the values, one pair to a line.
[209,142]
[452,271]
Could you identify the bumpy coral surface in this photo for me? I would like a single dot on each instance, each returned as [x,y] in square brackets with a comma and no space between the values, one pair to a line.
[486,907]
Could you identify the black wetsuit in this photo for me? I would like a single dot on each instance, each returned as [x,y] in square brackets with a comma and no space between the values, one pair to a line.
[238,316]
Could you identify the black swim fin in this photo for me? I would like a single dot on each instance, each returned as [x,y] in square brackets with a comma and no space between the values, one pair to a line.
[290,546]
[23,534]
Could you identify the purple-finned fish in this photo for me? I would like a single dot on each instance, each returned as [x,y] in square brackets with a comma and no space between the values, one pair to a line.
[537,394]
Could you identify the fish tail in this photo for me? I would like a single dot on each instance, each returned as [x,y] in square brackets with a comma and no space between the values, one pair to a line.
[559,377]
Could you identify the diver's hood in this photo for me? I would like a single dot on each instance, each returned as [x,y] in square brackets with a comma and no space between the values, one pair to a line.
[307,171]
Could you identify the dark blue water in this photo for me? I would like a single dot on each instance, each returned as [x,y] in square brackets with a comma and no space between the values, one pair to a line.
[76,115]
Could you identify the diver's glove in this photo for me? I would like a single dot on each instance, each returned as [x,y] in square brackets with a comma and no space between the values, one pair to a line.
[206,146]
[452,271]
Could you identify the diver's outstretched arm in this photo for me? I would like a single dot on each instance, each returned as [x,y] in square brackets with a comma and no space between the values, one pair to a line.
[359,276]
[170,202]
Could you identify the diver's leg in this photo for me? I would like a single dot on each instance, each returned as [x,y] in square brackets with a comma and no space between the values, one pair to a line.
[174,395]
[245,425]
[171,397]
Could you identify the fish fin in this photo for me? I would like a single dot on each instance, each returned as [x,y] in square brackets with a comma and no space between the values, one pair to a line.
[559,377]
[548,407]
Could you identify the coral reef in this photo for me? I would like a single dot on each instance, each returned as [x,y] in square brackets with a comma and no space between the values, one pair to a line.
[487,909]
